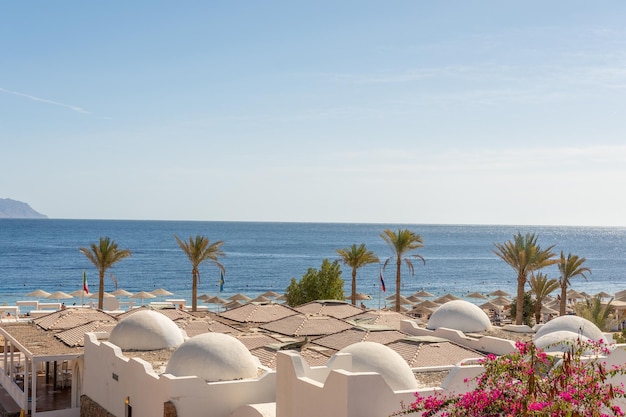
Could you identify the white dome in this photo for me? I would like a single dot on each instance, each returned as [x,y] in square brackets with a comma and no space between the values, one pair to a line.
[375,357]
[146,330]
[459,315]
[558,341]
[574,324]
[213,357]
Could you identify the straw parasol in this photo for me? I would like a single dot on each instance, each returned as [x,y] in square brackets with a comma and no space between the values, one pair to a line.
[143,295]
[204,297]
[270,294]
[239,297]
[58,295]
[503,301]
[122,293]
[216,300]
[603,295]
[260,299]
[476,295]
[79,293]
[232,304]
[38,294]
[105,295]
[446,298]
[428,304]
[491,306]
[360,296]
[499,293]
[424,294]
[421,311]
[161,292]
[414,299]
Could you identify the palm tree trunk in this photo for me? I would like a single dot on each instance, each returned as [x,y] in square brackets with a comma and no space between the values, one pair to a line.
[353,286]
[398,264]
[563,299]
[101,290]
[194,290]
[538,305]
[519,313]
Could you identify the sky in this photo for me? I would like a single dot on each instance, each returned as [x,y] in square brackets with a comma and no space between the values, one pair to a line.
[451,112]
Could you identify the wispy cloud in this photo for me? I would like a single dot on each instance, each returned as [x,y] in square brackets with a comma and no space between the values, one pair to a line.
[46,101]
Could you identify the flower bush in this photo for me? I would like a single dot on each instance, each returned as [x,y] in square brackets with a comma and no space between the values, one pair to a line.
[530,382]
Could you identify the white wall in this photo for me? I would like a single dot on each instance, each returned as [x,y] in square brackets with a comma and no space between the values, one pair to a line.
[148,391]
[483,344]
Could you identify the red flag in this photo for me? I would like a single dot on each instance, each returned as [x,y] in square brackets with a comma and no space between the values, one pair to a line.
[382,281]
[85,287]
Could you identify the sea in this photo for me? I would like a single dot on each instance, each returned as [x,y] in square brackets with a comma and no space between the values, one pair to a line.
[263,256]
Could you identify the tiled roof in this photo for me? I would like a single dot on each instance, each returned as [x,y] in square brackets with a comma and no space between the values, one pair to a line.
[348,337]
[76,336]
[172,313]
[337,309]
[312,355]
[258,313]
[196,327]
[383,318]
[71,317]
[256,340]
[306,325]
[418,354]
[38,341]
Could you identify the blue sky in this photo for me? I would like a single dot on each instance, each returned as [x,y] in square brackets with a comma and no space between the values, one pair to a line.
[353,111]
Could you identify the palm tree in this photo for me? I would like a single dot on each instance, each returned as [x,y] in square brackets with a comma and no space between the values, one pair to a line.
[103,256]
[541,286]
[599,314]
[569,267]
[356,257]
[525,256]
[199,250]
[401,243]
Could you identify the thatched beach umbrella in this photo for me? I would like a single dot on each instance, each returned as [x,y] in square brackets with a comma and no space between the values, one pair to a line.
[143,295]
[239,297]
[79,293]
[270,294]
[94,295]
[414,299]
[204,297]
[476,295]
[503,301]
[260,299]
[491,306]
[446,298]
[38,294]
[428,304]
[361,296]
[216,300]
[233,304]
[122,293]
[499,293]
[424,294]
[421,311]
[603,295]
[161,292]
[59,295]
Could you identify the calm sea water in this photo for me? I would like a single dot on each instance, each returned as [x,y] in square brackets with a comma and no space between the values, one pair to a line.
[265,256]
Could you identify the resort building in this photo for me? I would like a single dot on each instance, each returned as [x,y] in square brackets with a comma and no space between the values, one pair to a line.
[254,360]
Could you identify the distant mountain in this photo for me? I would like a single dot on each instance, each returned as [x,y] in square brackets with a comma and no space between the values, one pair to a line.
[12,209]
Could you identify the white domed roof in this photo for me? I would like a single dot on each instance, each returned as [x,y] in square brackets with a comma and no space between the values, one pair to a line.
[375,357]
[558,341]
[213,357]
[459,315]
[574,324]
[146,330]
